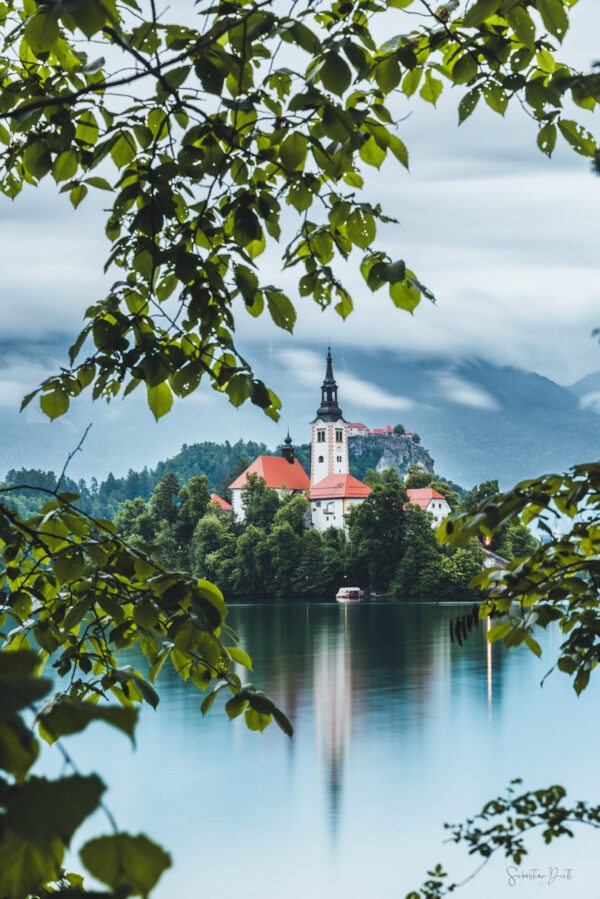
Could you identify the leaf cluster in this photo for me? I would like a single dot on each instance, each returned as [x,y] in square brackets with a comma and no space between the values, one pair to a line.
[245,129]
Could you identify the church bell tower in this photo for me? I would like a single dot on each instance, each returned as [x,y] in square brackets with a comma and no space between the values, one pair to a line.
[329,441]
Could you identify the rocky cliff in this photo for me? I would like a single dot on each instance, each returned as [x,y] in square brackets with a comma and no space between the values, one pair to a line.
[383,452]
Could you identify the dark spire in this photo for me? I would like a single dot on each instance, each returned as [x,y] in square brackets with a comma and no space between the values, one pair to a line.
[329,409]
[287,451]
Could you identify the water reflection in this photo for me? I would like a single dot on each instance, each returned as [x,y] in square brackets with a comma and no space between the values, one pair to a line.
[397,731]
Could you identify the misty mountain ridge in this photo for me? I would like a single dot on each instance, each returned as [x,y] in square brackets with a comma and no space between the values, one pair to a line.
[477,419]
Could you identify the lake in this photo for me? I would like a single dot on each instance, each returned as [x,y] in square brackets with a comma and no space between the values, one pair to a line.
[396,731]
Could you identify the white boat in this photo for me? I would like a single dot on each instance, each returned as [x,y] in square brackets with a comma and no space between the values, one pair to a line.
[349,594]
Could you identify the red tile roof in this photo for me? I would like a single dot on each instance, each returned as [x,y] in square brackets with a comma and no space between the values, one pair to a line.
[386,430]
[422,496]
[220,502]
[342,486]
[277,472]
[357,424]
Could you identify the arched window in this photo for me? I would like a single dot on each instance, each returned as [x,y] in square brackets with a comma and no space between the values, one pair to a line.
[321,459]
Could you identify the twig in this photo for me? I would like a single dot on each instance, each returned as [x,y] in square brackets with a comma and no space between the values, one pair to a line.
[70,456]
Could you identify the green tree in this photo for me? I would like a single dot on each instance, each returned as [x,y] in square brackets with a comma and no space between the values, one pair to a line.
[309,578]
[193,503]
[251,572]
[162,501]
[399,429]
[295,510]
[377,530]
[417,477]
[259,501]
[284,547]
[419,574]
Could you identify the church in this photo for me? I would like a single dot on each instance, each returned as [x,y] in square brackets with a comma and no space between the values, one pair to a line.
[331,489]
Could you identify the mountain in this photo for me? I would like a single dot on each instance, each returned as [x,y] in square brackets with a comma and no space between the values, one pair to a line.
[478,420]
[588,392]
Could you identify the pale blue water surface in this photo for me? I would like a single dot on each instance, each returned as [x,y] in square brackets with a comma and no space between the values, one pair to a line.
[396,731]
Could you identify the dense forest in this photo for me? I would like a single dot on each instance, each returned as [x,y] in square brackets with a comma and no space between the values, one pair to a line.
[220,463]
[390,547]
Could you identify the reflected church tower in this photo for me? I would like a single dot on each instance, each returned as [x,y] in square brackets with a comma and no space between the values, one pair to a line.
[329,438]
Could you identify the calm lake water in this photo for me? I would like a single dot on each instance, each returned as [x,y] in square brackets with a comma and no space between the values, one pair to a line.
[397,731]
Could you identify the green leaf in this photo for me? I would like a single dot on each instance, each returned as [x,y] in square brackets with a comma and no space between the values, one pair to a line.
[522,24]
[281,309]
[65,715]
[479,12]
[580,139]
[495,97]
[498,631]
[90,16]
[293,150]
[464,69]
[387,74]
[431,89]
[533,645]
[18,748]
[371,152]
[65,165]
[553,16]
[235,706]
[546,138]
[160,399]
[54,403]
[468,104]
[546,61]
[581,680]
[37,159]
[335,74]
[214,596]
[238,390]
[41,811]
[399,150]
[18,692]
[256,720]
[404,295]
[41,33]
[360,228]
[411,81]
[283,722]
[24,868]
[77,194]
[147,692]
[125,862]
[238,655]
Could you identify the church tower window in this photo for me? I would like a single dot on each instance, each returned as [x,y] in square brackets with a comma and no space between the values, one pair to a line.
[320,436]
[339,435]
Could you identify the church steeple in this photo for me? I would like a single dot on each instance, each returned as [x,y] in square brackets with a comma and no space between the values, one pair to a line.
[329,409]
[287,450]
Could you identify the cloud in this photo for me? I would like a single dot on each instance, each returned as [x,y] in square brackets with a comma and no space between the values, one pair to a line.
[457,390]
[590,401]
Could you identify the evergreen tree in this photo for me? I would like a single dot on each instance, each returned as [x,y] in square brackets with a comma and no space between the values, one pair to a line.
[162,501]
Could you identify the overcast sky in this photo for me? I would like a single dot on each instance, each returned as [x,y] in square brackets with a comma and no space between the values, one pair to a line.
[506,239]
